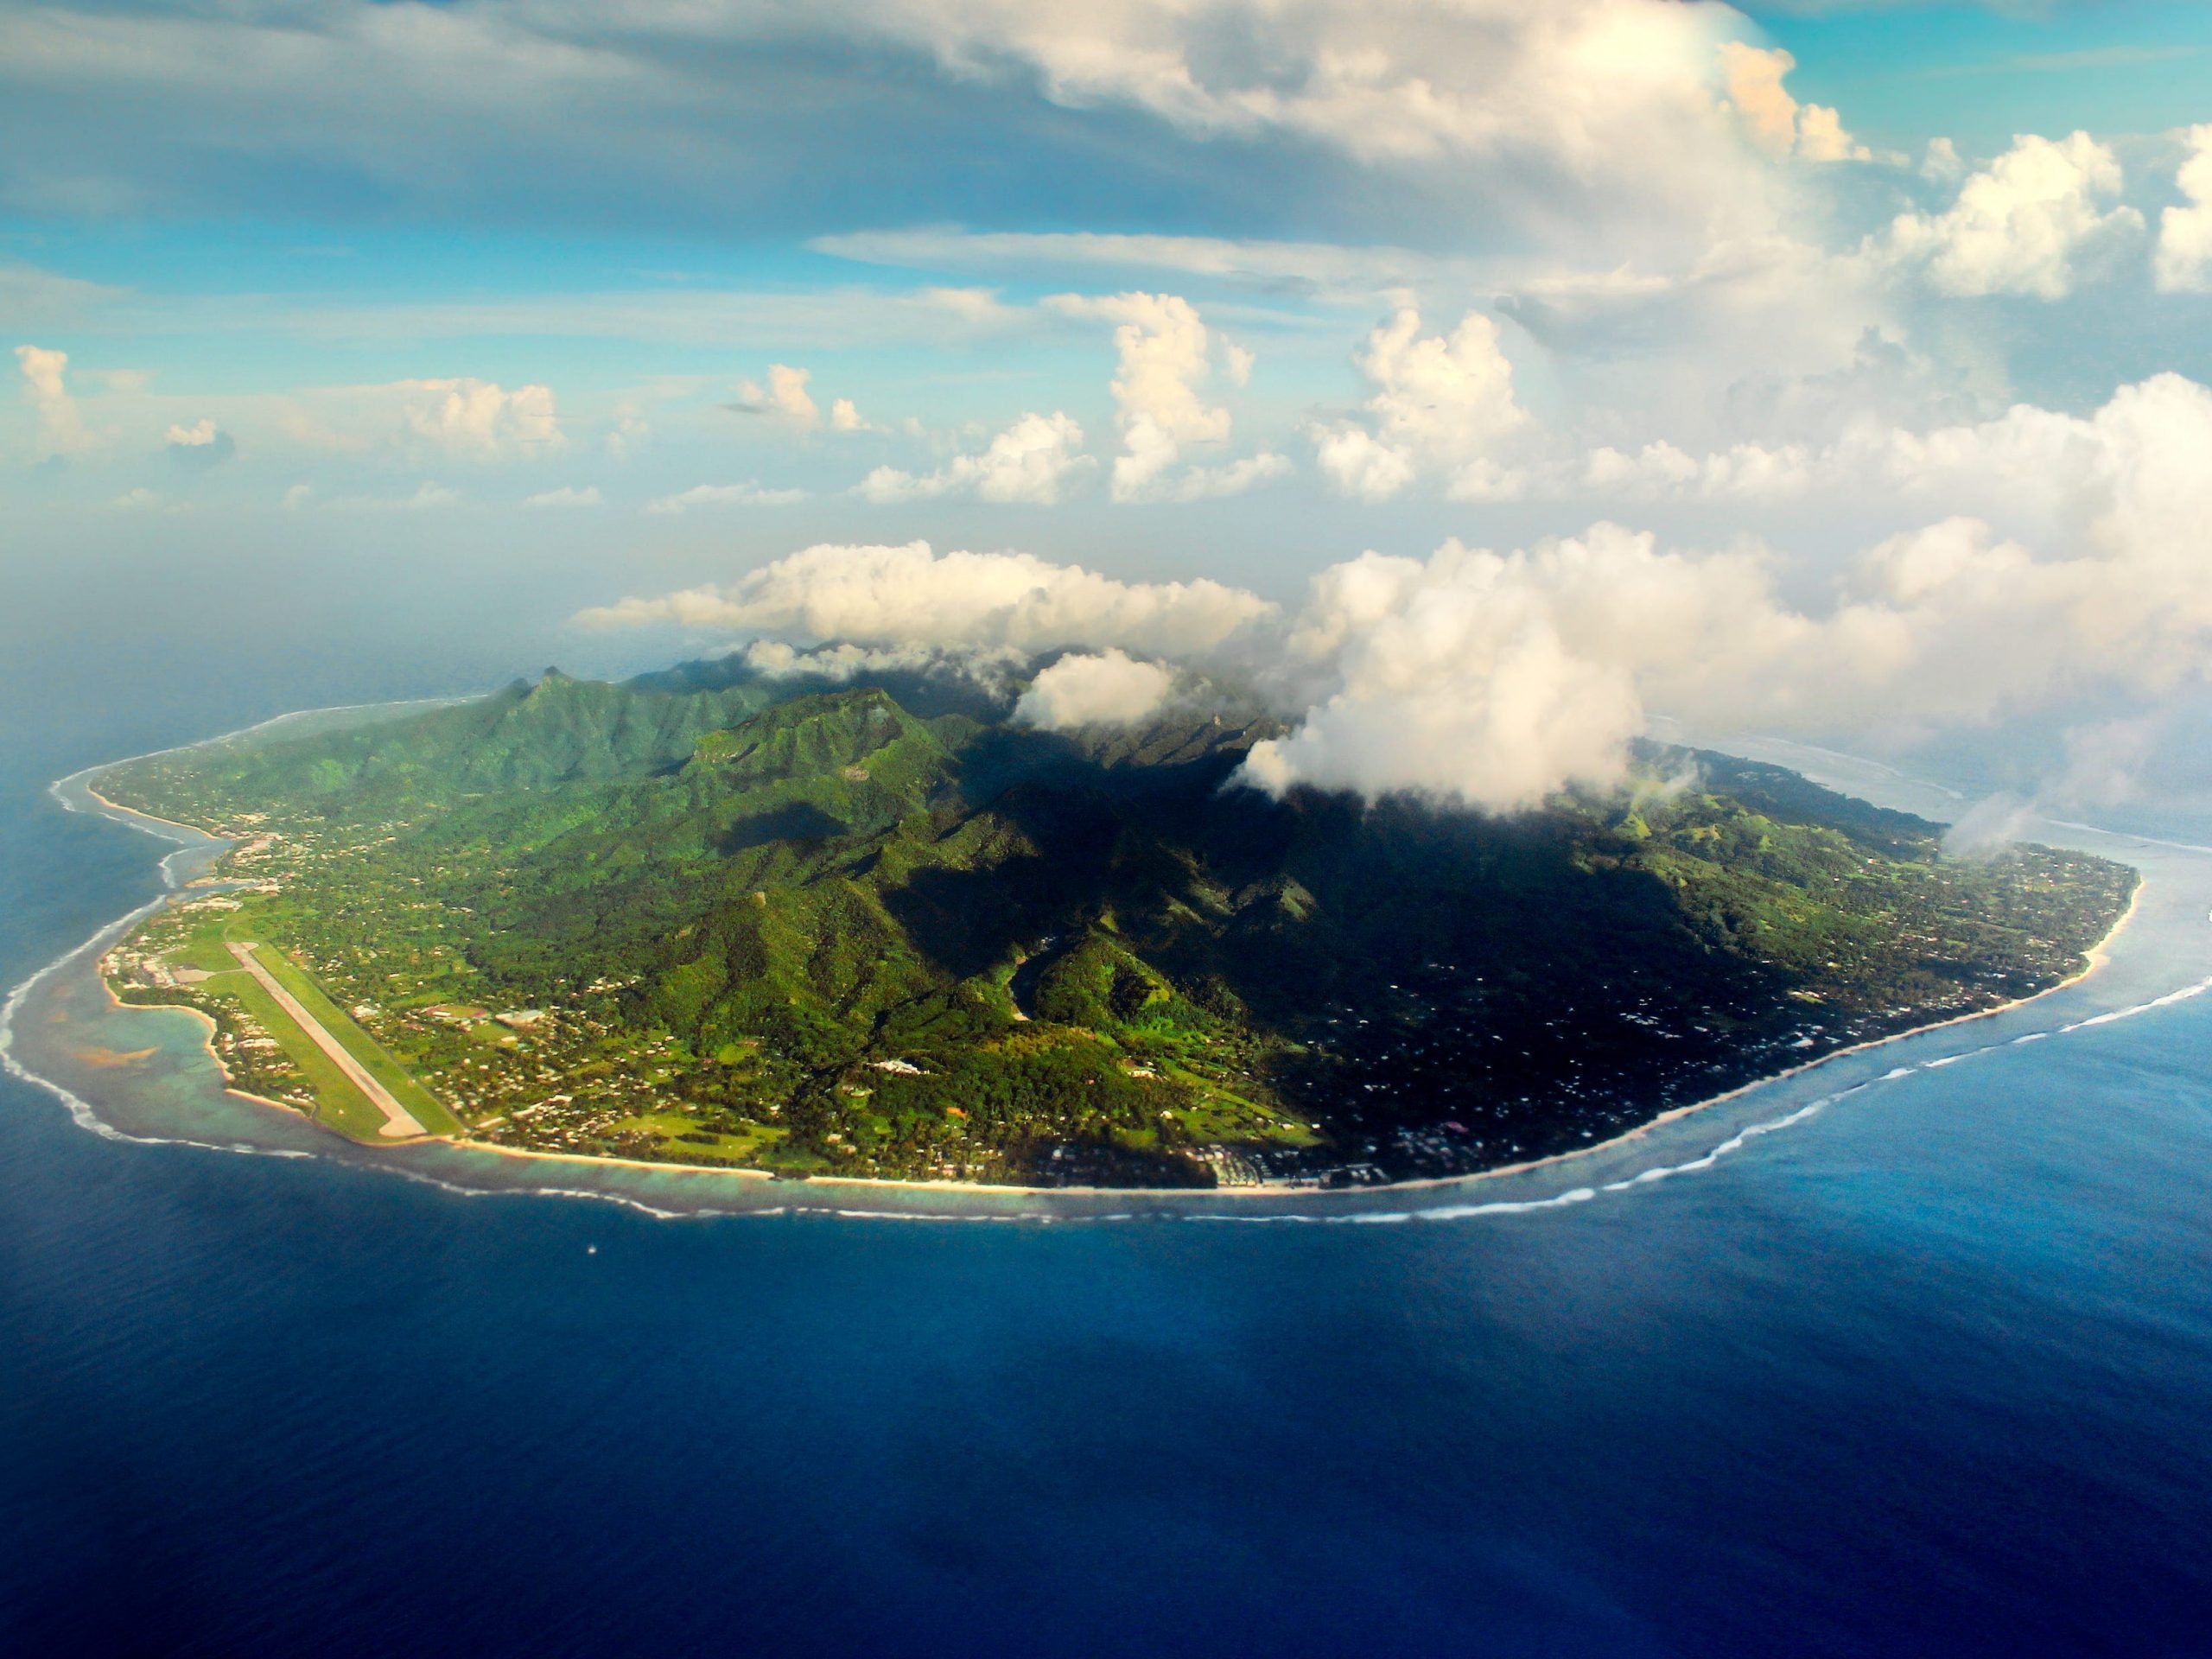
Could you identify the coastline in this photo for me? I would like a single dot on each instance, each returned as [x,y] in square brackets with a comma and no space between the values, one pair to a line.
[2096,957]
[133,817]
[206,1042]
[2093,959]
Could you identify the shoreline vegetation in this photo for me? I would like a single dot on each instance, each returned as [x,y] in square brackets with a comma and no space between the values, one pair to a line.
[2098,958]
[1129,1022]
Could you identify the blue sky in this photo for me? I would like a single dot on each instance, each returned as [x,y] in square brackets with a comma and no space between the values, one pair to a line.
[1982,73]
[1233,290]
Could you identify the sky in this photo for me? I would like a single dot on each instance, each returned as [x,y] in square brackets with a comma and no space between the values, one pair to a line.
[1481,384]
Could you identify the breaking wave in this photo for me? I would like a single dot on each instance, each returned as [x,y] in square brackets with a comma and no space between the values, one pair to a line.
[1038,1210]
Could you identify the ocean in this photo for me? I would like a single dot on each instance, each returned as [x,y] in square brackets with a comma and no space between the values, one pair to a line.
[1909,1354]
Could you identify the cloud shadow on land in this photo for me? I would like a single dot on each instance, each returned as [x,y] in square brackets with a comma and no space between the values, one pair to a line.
[1437,963]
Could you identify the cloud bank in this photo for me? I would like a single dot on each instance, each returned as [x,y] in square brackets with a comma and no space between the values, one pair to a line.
[1495,678]
[911,595]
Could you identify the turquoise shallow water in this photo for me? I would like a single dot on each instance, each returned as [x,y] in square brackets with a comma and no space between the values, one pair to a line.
[1911,1353]
[146,1076]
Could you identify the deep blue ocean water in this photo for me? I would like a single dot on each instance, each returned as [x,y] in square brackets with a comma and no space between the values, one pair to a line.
[1928,1372]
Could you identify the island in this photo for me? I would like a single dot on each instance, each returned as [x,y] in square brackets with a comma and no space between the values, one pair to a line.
[879,928]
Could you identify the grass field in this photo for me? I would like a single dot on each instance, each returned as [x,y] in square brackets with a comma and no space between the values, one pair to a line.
[339,1105]
[667,1127]
[1220,1115]
[379,1065]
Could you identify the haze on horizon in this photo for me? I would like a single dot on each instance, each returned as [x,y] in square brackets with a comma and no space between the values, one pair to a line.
[1479,383]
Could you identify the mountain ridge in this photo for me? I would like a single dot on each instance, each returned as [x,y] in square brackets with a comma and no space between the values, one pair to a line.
[798,926]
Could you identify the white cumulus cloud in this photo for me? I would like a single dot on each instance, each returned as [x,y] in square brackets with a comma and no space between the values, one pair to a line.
[1659,471]
[2184,258]
[203,444]
[1494,679]
[1033,461]
[1165,356]
[1360,465]
[778,659]
[478,420]
[2031,222]
[1942,164]
[1442,402]
[1110,688]
[61,426]
[568,496]
[786,397]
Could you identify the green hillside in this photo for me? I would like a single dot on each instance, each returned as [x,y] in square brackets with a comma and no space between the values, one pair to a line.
[723,919]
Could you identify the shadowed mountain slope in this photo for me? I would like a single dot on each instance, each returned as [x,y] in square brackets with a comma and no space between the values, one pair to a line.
[807,928]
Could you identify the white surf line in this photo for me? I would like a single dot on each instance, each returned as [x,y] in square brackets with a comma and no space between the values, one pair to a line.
[2129,835]
[1734,1143]
[397,1120]
[83,1116]
[1742,1137]
[189,841]
[2183,994]
[81,1113]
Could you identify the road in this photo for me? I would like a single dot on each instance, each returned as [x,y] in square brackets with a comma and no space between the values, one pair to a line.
[397,1120]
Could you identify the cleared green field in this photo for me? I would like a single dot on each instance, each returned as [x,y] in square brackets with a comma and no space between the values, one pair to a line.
[419,1102]
[339,1104]
[667,1128]
[206,949]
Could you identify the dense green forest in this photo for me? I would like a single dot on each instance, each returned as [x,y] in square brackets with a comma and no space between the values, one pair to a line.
[879,929]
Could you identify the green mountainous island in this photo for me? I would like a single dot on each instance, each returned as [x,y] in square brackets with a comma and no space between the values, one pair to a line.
[877,929]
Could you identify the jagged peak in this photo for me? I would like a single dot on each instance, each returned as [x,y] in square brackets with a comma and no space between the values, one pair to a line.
[821,729]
